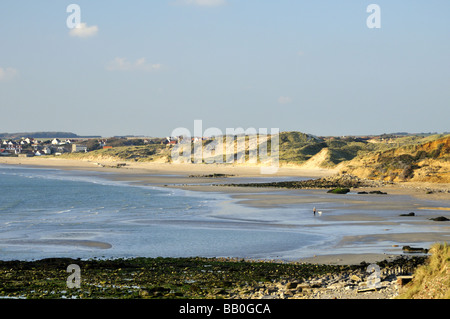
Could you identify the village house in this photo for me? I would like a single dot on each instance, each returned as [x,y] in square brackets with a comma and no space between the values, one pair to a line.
[27,140]
[47,150]
[170,141]
[78,148]
[102,143]
[12,146]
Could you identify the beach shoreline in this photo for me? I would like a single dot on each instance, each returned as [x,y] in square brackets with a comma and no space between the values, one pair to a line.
[180,176]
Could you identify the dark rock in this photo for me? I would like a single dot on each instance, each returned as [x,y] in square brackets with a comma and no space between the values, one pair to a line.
[291,285]
[377,192]
[341,181]
[410,214]
[440,219]
[339,190]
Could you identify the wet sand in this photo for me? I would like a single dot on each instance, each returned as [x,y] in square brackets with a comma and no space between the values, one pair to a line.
[178,176]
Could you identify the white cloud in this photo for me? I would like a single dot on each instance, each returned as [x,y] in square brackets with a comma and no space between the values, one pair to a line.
[284,100]
[7,74]
[122,64]
[83,31]
[202,3]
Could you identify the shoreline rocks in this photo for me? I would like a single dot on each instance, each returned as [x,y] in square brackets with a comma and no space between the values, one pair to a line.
[332,182]
[201,278]
[349,284]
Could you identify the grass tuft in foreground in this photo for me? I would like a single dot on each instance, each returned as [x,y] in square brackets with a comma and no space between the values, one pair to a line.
[431,280]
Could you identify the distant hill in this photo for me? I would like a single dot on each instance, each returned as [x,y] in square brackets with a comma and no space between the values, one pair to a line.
[41,135]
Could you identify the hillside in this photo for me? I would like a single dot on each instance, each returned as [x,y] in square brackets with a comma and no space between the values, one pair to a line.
[425,162]
[295,148]
[138,153]
[402,158]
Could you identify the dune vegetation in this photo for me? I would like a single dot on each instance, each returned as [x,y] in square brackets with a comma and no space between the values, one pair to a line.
[416,158]
[431,280]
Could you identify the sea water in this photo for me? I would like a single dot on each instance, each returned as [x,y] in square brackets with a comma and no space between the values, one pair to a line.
[68,213]
[58,213]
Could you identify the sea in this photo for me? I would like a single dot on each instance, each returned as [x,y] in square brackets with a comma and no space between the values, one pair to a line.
[48,213]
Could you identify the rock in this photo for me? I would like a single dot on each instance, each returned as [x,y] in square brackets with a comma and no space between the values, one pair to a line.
[303,286]
[337,285]
[339,190]
[410,214]
[291,285]
[410,249]
[440,219]
[355,278]
[377,192]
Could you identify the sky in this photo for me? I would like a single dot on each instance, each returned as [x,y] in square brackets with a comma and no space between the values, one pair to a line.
[148,67]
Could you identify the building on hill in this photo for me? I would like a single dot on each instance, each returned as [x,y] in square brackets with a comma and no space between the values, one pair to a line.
[78,148]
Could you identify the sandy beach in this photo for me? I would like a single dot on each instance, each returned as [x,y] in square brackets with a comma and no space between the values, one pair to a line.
[178,176]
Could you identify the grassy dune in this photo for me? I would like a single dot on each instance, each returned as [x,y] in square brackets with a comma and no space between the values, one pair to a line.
[406,158]
[432,280]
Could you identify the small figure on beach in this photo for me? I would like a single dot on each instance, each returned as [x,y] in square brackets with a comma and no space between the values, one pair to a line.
[314,211]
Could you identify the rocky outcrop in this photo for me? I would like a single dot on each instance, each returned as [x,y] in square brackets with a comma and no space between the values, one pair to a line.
[344,181]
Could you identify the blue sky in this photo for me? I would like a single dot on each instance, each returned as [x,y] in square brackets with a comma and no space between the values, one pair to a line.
[147,67]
